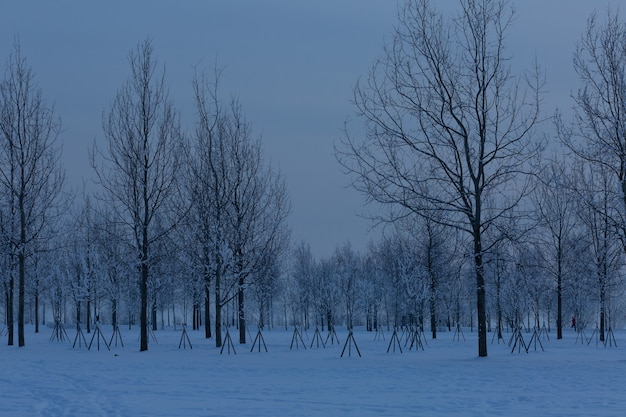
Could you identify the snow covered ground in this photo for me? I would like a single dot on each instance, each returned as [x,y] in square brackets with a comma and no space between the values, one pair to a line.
[447,378]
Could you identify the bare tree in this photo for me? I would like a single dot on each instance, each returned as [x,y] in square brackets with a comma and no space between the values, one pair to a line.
[258,211]
[207,184]
[305,293]
[114,260]
[372,289]
[596,206]
[30,175]
[404,273]
[435,254]
[599,133]
[447,124]
[239,206]
[497,272]
[328,291]
[555,205]
[347,268]
[266,285]
[140,165]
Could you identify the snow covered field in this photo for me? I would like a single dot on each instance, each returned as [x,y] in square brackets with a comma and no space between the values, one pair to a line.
[447,378]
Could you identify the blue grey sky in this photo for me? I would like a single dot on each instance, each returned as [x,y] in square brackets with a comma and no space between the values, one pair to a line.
[291,63]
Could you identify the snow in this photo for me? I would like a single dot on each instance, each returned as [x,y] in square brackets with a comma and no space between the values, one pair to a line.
[446,378]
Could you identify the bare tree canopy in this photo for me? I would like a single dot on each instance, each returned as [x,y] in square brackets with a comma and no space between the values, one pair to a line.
[598,135]
[448,126]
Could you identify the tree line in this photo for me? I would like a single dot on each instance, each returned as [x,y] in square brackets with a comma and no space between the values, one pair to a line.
[495,215]
[203,211]
[455,136]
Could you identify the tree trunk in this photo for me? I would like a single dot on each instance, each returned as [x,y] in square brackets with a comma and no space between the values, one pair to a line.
[88,311]
[77,316]
[95,315]
[261,315]
[154,316]
[375,317]
[433,283]
[498,304]
[240,310]
[144,304]
[480,293]
[433,310]
[218,310]
[10,318]
[602,313]
[37,306]
[21,273]
[207,312]
[329,320]
[559,295]
[114,312]
[21,296]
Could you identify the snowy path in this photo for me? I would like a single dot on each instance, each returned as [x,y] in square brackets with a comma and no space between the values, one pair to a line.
[52,379]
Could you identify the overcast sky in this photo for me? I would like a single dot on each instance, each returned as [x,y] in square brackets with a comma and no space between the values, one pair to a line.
[292,64]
